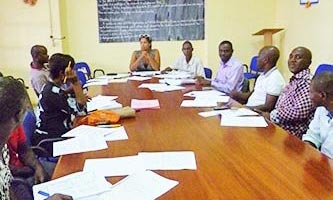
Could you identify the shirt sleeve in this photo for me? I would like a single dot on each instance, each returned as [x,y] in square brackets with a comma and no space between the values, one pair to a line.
[300,108]
[235,77]
[274,86]
[313,133]
[200,69]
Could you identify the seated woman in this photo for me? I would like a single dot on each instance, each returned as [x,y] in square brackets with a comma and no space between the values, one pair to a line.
[146,59]
[56,112]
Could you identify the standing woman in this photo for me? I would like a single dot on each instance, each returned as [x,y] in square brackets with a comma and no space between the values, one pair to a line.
[146,59]
[56,109]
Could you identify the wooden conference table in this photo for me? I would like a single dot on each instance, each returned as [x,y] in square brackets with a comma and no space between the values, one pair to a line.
[232,163]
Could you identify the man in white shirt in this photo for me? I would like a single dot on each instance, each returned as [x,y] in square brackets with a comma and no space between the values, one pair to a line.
[268,85]
[320,132]
[187,62]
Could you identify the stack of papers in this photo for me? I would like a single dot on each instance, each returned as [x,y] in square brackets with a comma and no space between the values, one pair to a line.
[103,103]
[79,144]
[138,104]
[204,93]
[101,81]
[234,112]
[175,75]
[160,87]
[78,185]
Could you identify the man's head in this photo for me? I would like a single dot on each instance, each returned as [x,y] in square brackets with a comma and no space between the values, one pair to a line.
[267,58]
[321,89]
[58,63]
[225,51]
[187,49]
[39,54]
[299,59]
[13,102]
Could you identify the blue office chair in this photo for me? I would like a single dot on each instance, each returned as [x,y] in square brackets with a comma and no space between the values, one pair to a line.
[82,71]
[208,72]
[253,72]
[323,67]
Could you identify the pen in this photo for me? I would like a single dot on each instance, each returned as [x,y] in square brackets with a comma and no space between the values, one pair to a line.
[109,126]
[68,66]
[44,193]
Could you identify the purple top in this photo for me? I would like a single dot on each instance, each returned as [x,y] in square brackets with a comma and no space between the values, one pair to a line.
[230,76]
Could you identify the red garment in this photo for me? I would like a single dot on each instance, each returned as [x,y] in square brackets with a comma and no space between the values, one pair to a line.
[16,138]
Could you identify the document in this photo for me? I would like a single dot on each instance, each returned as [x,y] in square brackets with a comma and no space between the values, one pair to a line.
[116,134]
[120,166]
[80,144]
[177,160]
[198,103]
[175,75]
[92,82]
[138,104]
[78,185]
[204,93]
[103,103]
[84,130]
[233,112]
[146,73]
[144,185]
[177,81]
[161,87]
[210,113]
[255,121]
[138,78]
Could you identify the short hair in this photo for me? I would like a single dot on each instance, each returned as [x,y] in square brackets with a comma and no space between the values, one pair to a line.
[35,50]
[12,98]
[226,42]
[272,53]
[187,42]
[58,63]
[146,36]
[323,82]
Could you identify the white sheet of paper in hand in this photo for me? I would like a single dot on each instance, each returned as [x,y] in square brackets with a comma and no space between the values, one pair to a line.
[118,166]
[145,185]
[176,160]
[77,185]
[79,144]
[255,121]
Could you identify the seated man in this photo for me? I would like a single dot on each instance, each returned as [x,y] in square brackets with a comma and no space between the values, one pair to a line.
[230,74]
[188,62]
[268,85]
[38,72]
[294,109]
[320,132]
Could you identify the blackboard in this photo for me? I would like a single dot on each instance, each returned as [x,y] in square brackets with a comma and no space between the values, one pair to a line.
[125,21]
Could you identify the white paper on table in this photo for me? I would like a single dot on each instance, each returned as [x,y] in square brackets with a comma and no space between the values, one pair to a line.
[77,185]
[138,104]
[115,134]
[176,160]
[96,82]
[210,113]
[177,81]
[79,144]
[119,166]
[175,75]
[255,121]
[223,99]
[103,102]
[84,130]
[145,185]
[204,93]
[146,73]
[160,87]
[139,78]
[198,103]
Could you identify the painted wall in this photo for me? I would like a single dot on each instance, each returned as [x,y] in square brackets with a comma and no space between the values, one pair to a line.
[224,20]
[310,27]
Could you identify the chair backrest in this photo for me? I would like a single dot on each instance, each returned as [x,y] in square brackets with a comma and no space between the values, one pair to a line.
[323,67]
[82,71]
[208,72]
[253,65]
[29,125]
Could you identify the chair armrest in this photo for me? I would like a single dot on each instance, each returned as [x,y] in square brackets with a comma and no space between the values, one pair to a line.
[246,67]
[98,70]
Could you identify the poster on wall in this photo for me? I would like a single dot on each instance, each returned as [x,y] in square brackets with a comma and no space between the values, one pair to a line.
[302,2]
[164,20]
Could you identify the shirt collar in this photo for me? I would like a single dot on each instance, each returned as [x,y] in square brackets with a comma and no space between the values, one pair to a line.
[301,74]
[270,71]
[228,63]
